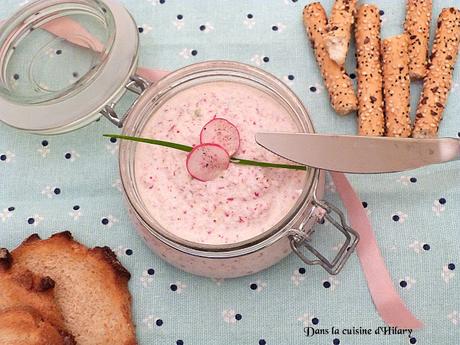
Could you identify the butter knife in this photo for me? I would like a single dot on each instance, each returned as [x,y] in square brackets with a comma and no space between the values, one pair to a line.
[360,155]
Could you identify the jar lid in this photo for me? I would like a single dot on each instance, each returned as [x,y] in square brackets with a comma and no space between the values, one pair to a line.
[62,61]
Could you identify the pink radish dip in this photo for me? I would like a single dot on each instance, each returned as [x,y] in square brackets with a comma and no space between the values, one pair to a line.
[241,203]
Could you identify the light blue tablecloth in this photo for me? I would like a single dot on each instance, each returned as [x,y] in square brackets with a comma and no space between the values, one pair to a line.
[71,182]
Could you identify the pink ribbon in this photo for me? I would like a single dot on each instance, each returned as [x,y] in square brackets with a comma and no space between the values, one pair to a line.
[386,300]
[388,303]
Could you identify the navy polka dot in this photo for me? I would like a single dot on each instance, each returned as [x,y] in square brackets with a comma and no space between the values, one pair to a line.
[76,208]
[396,218]
[113,140]
[302,270]
[194,52]
[180,17]
[364,204]
[179,342]
[266,59]
[151,271]
[140,29]
[274,28]
[250,16]
[31,221]
[336,341]
[202,27]
[327,285]
[290,77]
[352,76]
[451,266]
[105,221]
[315,321]
[413,179]
[426,246]
[403,283]
[253,286]
[173,287]
[57,191]
[412,340]
[58,52]
[442,201]
[312,89]
[262,342]
[45,143]
[75,74]
[16,76]
[162,1]
[129,252]
[68,155]
[11,209]
[381,12]
[159,322]
[3,157]
[238,317]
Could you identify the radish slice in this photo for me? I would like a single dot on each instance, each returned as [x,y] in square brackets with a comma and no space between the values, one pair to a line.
[222,132]
[207,161]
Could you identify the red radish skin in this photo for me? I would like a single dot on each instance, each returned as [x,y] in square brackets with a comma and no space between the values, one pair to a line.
[222,132]
[207,161]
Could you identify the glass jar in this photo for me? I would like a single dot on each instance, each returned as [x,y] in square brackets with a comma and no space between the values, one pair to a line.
[261,251]
[105,39]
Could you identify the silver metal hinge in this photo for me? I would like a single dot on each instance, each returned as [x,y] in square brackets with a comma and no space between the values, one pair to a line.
[300,239]
[137,85]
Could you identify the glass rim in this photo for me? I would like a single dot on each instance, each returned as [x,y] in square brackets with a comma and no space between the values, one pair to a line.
[35,15]
[78,107]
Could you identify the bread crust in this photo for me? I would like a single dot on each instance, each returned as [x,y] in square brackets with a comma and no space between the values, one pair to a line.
[102,283]
[396,86]
[6,259]
[438,81]
[417,27]
[339,32]
[22,288]
[371,119]
[26,326]
[338,83]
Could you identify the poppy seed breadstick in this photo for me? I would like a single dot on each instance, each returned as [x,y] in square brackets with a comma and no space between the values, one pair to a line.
[371,119]
[438,81]
[396,86]
[417,27]
[339,30]
[338,83]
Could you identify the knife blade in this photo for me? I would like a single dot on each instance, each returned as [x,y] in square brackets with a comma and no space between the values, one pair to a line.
[360,155]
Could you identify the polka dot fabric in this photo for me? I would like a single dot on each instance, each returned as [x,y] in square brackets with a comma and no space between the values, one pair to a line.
[71,182]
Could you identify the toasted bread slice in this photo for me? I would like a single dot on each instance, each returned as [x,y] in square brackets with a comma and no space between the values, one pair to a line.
[23,288]
[91,287]
[25,326]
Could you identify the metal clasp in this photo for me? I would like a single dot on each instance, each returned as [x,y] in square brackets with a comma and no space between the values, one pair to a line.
[299,238]
[137,85]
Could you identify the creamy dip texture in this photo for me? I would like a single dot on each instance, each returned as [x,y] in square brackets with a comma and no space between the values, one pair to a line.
[244,201]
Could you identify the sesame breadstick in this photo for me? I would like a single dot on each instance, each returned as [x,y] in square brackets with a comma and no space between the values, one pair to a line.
[338,83]
[438,81]
[417,27]
[339,30]
[370,113]
[396,86]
